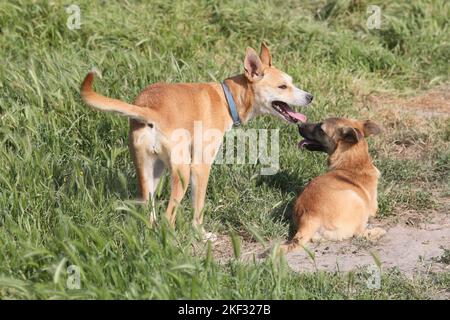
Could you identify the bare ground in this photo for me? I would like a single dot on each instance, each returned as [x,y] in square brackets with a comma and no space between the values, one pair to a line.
[411,250]
[431,103]
[416,245]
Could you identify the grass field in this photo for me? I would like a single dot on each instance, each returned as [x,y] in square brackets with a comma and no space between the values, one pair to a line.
[67,183]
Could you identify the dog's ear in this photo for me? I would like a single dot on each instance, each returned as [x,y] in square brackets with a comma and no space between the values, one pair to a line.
[265,56]
[348,134]
[370,128]
[253,65]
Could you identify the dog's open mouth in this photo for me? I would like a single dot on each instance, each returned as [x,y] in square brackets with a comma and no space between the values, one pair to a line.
[310,143]
[287,113]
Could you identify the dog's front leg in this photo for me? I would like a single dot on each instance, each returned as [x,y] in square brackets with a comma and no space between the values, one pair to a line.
[179,183]
[199,183]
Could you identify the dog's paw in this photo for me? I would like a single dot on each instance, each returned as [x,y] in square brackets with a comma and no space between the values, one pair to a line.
[203,235]
[209,236]
[317,238]
[374,234]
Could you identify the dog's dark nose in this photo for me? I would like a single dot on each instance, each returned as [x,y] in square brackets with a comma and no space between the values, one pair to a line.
[309,97]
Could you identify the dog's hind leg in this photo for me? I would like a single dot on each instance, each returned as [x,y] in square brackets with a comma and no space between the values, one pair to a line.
[308,228]
[153,170]
[149,171]
[179,182]
[149,167]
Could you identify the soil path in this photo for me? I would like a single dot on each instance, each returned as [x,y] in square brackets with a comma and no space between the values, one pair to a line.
[411,250]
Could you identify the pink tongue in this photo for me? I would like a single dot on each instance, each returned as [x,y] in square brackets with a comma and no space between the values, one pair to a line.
[298,116]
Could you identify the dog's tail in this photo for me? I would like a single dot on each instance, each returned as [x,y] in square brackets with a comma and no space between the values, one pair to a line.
[304,234]
[102,103]
[295,243]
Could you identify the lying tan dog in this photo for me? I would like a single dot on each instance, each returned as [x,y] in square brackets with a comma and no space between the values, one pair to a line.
[337,205]
[161,110]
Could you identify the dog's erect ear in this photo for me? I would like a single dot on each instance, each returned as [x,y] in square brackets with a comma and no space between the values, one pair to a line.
[265,56]
[348,134]
[253,65]
[370,128]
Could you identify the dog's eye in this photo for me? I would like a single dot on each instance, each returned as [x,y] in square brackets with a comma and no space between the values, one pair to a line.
[283,86]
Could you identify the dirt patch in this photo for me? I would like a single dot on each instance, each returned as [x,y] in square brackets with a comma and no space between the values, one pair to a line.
[434,102]
[409,249]
[222,249]
[411,125]
[412,250]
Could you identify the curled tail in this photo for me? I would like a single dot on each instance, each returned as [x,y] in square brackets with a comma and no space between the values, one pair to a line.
[102,103]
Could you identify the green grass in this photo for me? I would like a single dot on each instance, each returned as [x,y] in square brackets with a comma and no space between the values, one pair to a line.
[66,177]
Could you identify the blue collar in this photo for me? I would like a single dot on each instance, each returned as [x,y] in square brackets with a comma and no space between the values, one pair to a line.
[231,104]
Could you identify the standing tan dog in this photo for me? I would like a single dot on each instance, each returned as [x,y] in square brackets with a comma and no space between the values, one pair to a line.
[161,110]
[337,205]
